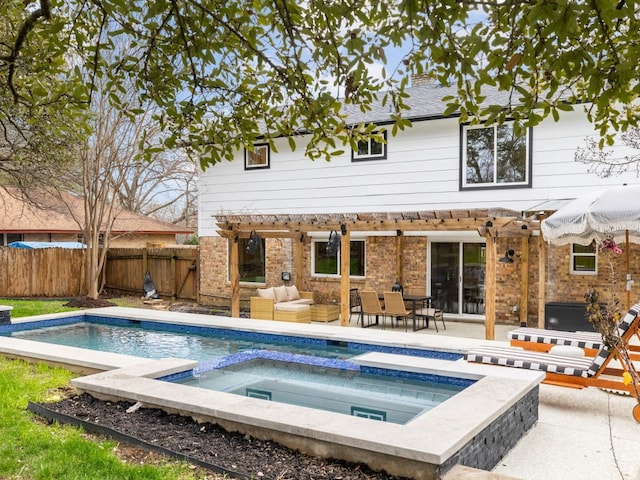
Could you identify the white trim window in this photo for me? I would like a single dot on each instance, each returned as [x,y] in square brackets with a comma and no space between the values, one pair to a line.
[259,157]
[324,264]
[370,149]
[494,157]
[584,259]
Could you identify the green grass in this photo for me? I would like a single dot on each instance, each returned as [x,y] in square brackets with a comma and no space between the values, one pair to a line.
[28,307]
[34,451]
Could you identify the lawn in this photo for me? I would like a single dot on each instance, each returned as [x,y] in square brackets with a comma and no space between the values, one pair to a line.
[25,307]
[31,449]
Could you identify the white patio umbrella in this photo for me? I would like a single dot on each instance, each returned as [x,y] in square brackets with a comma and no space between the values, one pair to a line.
[613,212]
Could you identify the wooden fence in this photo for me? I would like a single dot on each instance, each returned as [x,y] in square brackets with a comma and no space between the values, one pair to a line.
[47,272]
[57,272]
[174,271]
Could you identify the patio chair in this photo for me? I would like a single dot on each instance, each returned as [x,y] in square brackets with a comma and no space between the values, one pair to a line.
[370,306]
[427,311]
[394,307]
[568,371]
[355,304]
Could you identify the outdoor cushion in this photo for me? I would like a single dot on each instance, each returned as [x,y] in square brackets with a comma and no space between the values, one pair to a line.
[300,301]
[293,293]
[290,307]
[567,350]
[267,293]
[591,340]
[281,294]
[520,358]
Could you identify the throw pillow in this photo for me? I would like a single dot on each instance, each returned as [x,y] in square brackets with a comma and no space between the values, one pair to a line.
[267,293]
[281,294]
[293,293]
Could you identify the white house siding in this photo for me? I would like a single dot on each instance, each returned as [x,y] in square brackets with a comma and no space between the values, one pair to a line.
[421,172]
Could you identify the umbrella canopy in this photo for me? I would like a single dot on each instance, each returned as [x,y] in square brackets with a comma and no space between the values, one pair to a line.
[610,213]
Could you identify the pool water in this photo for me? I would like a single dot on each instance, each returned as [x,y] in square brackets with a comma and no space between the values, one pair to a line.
[155,344]
[308,372]
[349,391]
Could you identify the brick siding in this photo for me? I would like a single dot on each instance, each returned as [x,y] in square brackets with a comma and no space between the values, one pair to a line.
[561,286]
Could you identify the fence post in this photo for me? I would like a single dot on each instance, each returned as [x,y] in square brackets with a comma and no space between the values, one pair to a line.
[174,276]
[145,260]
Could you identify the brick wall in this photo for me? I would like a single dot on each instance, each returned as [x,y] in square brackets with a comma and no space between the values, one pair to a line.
[561,286]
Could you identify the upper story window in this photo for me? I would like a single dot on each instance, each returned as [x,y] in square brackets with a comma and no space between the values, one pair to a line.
[583,259]
[260,157]
[370,149]
[328,265]
[494,156]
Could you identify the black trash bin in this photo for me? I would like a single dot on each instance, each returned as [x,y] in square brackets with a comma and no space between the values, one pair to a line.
[570,317]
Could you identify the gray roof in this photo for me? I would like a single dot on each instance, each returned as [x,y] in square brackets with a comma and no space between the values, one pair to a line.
[424,101]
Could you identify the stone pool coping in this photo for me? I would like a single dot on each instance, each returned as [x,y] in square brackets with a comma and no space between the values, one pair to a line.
[415,449]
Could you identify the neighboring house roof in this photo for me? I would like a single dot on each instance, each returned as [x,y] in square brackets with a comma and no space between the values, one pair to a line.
[47,213]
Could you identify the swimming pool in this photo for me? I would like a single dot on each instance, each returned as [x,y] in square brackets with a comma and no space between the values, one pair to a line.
[333,385]
[476,427]
[294,376]
[152,339]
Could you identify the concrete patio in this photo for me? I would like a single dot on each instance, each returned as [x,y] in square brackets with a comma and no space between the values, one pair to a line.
[580,434]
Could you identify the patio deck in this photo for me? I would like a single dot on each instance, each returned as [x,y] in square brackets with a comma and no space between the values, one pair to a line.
[580,434]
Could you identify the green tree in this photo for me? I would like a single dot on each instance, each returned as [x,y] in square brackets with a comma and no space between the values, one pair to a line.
[41,114]
[223,74]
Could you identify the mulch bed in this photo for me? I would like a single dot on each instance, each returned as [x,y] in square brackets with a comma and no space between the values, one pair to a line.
[211,444]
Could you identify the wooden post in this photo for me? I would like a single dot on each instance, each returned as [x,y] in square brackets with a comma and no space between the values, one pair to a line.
[542,277]
[298,260]
[399,250]
[145,260]
[174,275]
[627,247]
[490,290]
[345,272]
[524,281]
[235,278]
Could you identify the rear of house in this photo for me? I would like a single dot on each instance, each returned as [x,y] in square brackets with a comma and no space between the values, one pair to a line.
[445,190]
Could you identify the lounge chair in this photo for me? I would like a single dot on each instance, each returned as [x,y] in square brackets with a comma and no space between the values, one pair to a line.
[568,371]
[543,340]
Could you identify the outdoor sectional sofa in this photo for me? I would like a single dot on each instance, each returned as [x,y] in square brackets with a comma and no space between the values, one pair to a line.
[282,303]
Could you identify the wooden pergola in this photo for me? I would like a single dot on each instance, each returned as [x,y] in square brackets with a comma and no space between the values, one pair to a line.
[489,223]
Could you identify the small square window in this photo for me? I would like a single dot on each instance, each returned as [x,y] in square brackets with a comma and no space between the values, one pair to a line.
[583,259]
[258,158]
[370,149]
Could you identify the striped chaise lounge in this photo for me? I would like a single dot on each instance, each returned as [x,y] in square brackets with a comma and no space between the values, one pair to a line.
[567,371]
[543,340]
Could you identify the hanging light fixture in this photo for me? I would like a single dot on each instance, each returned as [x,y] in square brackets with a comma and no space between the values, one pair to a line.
[507,256]
[254,243]
[333,245]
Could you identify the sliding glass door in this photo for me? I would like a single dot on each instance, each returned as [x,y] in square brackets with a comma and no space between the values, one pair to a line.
[457,273]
